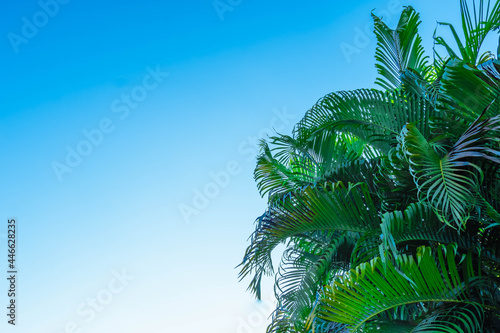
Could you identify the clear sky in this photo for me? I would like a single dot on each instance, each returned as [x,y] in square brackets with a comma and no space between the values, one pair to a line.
[128,131]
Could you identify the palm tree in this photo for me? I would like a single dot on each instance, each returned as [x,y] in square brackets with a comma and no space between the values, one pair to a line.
[388,200]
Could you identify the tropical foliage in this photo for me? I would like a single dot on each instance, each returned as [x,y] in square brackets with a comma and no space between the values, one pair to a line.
[388,200]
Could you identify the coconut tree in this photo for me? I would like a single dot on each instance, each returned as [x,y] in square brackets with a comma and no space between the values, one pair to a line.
[388,200]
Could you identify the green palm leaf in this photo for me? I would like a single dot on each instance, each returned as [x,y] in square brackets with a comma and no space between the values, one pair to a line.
[370,115]
[449,183]
[477,23]
[444,183]
[292,164]
[399,50]
[419,223]
[370,289]
[466,91]
[462,319]
[303,269]
[327,206]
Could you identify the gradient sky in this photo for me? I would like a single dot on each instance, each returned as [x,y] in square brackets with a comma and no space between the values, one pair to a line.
[234,74]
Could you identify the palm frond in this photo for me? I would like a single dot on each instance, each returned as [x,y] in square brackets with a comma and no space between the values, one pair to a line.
[372,289]
[291,164]
[477,23]
[419,224]
[327,206]
[449,183]
[370,115]
[466,91]
[399,50]
[301,272]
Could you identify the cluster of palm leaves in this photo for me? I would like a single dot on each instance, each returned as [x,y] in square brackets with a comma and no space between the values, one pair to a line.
[388,200]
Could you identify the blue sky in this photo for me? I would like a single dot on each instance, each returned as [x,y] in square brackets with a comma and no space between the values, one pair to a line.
[161,100]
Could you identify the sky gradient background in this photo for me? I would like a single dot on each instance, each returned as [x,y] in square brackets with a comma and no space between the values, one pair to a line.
[233,76]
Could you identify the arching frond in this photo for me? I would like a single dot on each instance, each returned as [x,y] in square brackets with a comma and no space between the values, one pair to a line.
[328,206]
[399,50]
[372,289]
[449,183]
[370,115]
[478,21]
